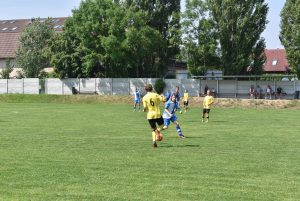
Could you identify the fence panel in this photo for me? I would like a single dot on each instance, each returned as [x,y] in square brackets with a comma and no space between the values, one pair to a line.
[87,85]
[227,88]
[137,83]
[120,86]
[104,86]
[68,84]
[31,86]
[53,86]
[192,85]
[15,86]
[3,86]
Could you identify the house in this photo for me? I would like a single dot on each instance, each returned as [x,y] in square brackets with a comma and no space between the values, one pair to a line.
[10,32]
[276,62]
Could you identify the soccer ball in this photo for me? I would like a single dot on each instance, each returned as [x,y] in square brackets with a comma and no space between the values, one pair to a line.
[159,137]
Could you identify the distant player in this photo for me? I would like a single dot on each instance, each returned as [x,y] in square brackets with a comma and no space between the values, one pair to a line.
[207,102]
[177,95]
[151,105]
[185,100]
[169,115]
[137,99]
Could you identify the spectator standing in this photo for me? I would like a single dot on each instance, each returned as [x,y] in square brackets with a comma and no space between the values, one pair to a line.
[268,92]
[258,92]
[279,92]
[251,92]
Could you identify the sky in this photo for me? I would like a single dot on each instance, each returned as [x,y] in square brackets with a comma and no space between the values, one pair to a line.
[26,9]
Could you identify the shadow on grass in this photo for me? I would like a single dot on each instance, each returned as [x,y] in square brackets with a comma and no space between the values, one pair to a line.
[186,145]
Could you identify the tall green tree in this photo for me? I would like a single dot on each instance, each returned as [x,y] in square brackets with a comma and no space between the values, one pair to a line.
[239,24]
[290,35]
[200,38]
[164,16]
[104,38]
[31,53]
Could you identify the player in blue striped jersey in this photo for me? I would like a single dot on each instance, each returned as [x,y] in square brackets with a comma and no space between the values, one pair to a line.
[169,116]
[137,99]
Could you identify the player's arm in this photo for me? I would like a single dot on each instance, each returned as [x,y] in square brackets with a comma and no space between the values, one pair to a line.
[145,109]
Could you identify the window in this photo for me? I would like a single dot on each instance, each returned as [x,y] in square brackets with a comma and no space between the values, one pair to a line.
[11,22]
[4,22]
[274,62]
[4,29]
[56,27]
[14,28]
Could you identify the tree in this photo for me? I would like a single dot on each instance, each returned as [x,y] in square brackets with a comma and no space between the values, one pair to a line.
[7,70]
[290,35]
[31,53]
[200,38]
[106,39]
[163,16]
[239,24]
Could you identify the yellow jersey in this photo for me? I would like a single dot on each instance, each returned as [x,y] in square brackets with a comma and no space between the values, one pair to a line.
[185,96]
[151,103]
[207,102]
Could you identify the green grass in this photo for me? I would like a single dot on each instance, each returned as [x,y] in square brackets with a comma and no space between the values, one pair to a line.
[52,151]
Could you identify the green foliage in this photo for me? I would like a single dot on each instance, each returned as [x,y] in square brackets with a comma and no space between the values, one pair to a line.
[32,51]
[239,25]
[290,35]
[106,39]
[159,86]
[200,41]
[7,70]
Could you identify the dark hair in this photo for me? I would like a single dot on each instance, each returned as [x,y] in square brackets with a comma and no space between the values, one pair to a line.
[148,88]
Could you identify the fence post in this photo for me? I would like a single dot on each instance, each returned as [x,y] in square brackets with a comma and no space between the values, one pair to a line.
[112,85]
[217,88]
[129,86]
[95,85]
[199,87]
[23,84]
[6,86]
[236,87]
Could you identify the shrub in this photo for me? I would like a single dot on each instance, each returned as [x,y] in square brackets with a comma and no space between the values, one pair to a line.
[159,86]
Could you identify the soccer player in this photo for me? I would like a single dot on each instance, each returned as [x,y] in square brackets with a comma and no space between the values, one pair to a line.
[151,106]
[137,99]
[207,102]
[177,95]
[169,115]
[185,100]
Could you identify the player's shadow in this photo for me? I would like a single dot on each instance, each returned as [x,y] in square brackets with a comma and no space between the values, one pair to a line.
[186,145]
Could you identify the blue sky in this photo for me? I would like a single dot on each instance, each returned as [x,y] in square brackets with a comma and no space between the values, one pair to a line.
[25,9]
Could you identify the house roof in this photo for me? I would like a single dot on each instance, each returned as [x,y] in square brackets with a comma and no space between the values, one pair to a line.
[10,32]
[276,61]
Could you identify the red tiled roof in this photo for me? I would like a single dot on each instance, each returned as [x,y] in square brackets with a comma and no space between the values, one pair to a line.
[276,61]
[10,31]
[9,44]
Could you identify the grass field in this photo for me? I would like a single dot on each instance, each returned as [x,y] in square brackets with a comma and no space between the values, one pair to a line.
[53,151]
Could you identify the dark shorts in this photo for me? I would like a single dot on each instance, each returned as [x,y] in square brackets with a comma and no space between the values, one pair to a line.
[158,121]
[206,111]
[185,103]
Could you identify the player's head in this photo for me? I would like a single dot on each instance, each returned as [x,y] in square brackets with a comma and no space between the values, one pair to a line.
[148,88]
[177,88]
[186,91]
[208,92]
[173,98]
[136,89]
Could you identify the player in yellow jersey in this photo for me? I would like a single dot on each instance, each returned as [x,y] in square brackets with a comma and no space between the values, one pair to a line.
[207,102]
[185,100]
[151,106]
